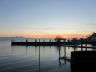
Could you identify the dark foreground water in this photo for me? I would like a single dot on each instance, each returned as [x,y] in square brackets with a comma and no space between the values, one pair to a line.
[33,59]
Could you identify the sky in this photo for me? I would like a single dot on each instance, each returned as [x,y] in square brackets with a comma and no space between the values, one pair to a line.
[47,18]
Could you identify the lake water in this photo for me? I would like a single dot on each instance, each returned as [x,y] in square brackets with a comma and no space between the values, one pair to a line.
[33,59]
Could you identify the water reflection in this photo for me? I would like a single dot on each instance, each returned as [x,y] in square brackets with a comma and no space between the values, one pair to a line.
[36,58]
[44,54]
[39,58]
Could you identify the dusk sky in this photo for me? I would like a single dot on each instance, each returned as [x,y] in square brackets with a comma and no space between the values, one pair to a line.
[47,17]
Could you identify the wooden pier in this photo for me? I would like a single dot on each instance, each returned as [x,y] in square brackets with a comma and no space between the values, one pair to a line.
[37,43]
[57,42]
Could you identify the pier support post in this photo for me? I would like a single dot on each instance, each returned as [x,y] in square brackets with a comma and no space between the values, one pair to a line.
[65,53]
[26,40]
[74,40]
[50,40]
[81,44]
[59,55]
[35,40]
[86,46]
[39,58]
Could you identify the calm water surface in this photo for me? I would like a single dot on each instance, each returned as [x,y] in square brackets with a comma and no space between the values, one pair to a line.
[33,59]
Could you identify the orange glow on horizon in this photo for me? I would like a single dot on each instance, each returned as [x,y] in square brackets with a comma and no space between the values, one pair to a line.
[46,35]
[55,35]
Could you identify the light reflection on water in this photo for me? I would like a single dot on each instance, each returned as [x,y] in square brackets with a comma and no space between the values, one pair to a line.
[33,59]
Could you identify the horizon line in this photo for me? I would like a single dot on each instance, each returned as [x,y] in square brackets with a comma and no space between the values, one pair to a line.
[79,35]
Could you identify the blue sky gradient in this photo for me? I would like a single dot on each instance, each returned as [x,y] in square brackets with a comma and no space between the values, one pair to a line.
[47,16]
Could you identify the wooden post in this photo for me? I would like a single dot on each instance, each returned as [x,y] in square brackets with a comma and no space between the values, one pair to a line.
[74,40]
[68,41]
[59,56]
[59,51]
[86,44]
[26,40]
[35,40]
[65,53]
[81,44]
[64,42]
[39,58]
[50,40]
